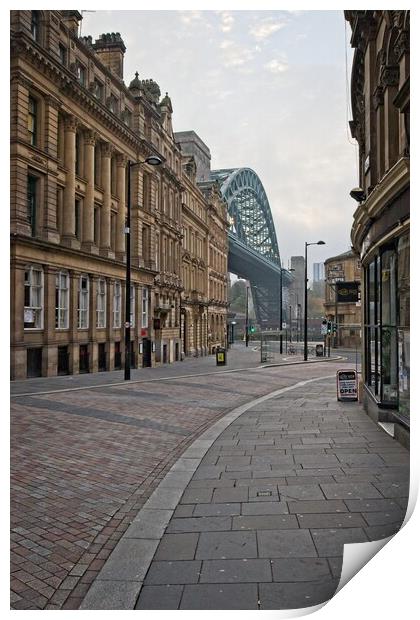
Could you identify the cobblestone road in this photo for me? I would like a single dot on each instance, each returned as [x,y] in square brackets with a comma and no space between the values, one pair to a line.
[84,462]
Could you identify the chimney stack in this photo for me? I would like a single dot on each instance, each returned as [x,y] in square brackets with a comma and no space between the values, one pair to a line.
[110,48]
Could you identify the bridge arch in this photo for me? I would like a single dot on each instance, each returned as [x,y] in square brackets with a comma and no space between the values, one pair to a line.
[249,210]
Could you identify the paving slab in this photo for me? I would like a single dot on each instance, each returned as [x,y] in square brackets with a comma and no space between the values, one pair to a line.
[261,519]
[220,596]
[160,597]
[173,572]
[236,571]
[286,544]
[177,547]
[296,595]
[300,569]
[226,545]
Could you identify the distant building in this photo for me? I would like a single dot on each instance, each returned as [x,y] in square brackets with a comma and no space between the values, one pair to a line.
[319,272]
[342,298]
[380,98]
[296,293]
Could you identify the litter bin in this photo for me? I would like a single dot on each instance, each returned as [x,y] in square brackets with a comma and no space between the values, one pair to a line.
[220,356]
[319,350]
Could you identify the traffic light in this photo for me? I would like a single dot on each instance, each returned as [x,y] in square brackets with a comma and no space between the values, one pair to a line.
[334,328]
[251,329]
[329,327]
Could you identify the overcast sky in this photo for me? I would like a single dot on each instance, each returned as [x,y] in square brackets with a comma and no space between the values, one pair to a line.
[265,90]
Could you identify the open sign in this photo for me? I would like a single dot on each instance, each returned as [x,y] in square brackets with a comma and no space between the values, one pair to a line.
[347,387]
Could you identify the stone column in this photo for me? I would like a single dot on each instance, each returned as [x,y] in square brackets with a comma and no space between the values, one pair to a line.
[105,249]
[120,237]
[88,204]
[389,82]
[68,237]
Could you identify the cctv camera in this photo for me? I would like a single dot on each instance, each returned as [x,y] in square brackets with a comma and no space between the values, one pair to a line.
[358,194]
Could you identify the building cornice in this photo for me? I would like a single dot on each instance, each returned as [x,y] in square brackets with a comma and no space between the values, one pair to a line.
[392,184]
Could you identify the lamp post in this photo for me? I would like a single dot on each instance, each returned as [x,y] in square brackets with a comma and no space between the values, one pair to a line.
[305,319]
[153,160]
[246,318]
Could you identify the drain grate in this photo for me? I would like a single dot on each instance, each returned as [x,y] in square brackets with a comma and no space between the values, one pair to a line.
[264,493]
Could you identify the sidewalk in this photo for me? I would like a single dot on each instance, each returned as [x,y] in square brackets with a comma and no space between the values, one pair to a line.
[255,513]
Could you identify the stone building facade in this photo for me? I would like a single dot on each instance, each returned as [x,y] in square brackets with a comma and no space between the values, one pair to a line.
[380,93]
[342,298]
[205,250]
[75,127]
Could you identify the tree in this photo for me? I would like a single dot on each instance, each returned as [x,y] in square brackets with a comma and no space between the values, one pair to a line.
[237,296]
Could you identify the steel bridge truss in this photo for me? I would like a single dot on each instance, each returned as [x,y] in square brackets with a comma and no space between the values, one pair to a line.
[253,248]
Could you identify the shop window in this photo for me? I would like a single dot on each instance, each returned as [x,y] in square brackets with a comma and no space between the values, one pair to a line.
[404,328]
[33,298]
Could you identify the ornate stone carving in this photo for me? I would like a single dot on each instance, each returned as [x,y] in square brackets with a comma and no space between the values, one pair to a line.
[107,149]
[151,90]
[70,123]
[402,44]
[390,76]
[378,97]
[54,103]
[90,137]
[121,160]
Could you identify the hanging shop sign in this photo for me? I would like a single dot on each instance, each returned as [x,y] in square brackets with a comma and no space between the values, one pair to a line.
[347,388]
[347,292]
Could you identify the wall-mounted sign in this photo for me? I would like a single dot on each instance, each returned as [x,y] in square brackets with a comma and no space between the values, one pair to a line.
[347,292]
[347,388]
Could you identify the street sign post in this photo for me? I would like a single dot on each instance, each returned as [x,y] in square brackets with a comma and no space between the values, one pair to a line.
[347,387]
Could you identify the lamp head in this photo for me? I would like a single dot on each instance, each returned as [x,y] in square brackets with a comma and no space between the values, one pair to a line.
[320,243]
[358,194]
[153,160]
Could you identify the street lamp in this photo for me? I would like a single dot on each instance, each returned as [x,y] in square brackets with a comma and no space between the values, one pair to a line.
[305,319]
[281,304]
[246,318]
[153,160]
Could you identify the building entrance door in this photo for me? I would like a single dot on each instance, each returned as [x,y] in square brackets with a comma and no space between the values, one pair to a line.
[83,358]
[63,361]
[147,353]
[101,356]
[34,363]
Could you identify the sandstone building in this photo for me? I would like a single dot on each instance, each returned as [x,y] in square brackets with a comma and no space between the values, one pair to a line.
[342,298]
[75,127]
[380,94]
[205,250]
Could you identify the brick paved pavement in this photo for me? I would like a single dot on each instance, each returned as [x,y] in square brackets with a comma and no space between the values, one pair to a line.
[260,521]
[84,462]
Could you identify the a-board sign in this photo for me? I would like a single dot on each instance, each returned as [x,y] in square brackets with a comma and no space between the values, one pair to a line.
[347,388]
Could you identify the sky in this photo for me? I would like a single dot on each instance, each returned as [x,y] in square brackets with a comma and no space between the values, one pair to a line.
[265,90]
